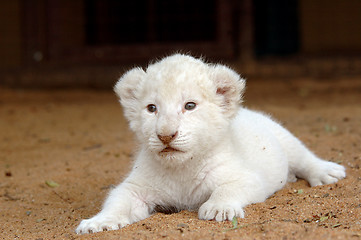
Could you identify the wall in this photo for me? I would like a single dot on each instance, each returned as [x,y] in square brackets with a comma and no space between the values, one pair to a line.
[330,26]
[10,34]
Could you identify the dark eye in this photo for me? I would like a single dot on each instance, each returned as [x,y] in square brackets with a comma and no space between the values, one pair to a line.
[190,106]
[152,108]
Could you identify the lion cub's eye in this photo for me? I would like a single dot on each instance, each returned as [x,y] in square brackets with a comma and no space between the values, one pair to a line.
[152,108]
[190,106]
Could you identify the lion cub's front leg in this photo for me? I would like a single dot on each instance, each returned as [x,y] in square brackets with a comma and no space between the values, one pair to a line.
[228,199]
[121,208]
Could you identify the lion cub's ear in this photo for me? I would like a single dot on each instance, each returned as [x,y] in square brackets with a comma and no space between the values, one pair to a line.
[230,86]
[127,89]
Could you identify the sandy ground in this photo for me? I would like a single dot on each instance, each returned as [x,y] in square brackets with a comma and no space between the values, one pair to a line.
[79,140]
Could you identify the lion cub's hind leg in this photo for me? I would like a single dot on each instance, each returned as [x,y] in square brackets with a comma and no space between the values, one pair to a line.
[320,172]
[304,164]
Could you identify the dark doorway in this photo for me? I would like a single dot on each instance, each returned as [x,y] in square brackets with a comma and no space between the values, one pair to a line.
[113,22]
[276,27]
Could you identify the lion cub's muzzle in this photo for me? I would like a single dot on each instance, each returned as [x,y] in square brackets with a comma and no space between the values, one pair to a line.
[166,140]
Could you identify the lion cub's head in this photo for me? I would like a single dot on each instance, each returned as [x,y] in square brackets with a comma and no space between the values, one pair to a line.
[180,107]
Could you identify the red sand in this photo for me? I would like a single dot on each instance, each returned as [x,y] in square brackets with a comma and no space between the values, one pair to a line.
[80,140]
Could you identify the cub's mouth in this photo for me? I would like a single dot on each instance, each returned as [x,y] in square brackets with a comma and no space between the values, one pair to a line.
[169,149]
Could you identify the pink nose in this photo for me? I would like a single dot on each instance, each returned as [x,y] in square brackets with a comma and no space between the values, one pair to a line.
[167,139]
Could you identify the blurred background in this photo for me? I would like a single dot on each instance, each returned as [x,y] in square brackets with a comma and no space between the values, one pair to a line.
[89,43]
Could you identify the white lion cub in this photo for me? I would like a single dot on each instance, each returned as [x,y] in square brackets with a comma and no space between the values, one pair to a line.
[199,149]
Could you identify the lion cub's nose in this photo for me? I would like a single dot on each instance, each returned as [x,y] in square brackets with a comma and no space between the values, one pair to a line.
[167,139]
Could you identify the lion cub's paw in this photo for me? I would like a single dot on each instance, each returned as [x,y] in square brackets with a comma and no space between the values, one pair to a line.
[220,211]
[101,223]
[326,173]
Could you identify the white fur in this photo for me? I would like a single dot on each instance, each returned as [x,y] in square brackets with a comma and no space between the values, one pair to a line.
[228,156]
